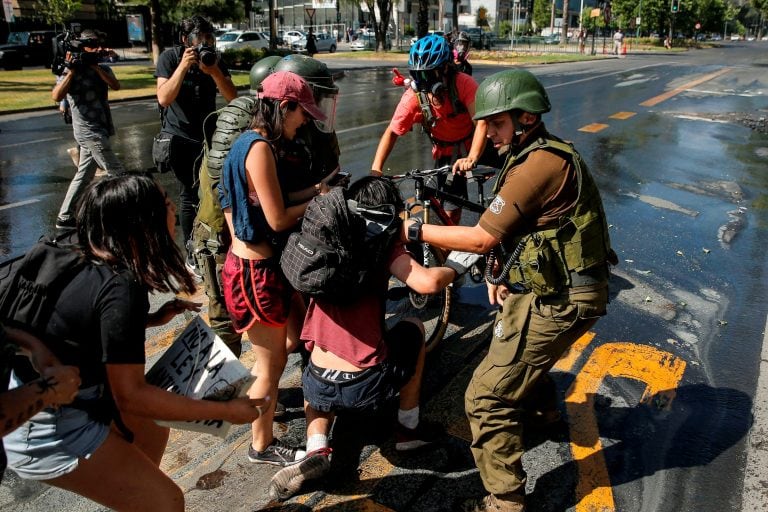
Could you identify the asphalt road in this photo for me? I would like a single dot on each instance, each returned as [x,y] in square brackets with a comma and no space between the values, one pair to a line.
[664,400]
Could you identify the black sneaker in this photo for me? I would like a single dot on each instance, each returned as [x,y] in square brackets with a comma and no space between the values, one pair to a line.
[277,454]
[288,481]
[424,434]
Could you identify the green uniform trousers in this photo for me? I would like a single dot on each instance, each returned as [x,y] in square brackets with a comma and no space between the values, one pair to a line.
[210,260]
[529,335]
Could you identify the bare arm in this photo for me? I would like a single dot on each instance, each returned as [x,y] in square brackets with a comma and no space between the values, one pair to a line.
[419,278]
[134,395]
[457,238]
[223,82]
[387,142]
[168,88]
[57,385]
[61,89]
[479,140]
[262,177]
[108,77]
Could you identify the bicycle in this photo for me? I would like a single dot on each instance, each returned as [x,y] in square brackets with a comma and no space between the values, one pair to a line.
[433,310]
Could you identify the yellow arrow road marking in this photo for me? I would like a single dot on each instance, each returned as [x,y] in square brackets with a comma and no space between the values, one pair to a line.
[659,370]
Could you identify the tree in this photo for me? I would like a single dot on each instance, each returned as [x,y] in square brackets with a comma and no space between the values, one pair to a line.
[57,12]
[481,17]
[541,14]
[380,27]
[422,20]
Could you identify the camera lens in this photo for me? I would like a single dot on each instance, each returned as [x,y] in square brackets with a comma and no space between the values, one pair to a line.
[208,57]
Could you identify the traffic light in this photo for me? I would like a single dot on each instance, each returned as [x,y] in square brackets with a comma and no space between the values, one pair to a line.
[675,7]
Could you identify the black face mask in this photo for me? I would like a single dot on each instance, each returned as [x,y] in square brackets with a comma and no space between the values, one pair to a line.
[430,80]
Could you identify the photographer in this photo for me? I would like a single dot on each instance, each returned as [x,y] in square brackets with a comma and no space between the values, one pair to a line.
[187,80]
[85,84]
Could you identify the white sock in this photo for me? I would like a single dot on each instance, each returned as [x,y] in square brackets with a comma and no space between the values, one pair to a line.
[409,418]
[316,441]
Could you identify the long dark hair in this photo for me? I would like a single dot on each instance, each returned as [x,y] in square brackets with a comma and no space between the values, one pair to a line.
[122,221]
[269,117]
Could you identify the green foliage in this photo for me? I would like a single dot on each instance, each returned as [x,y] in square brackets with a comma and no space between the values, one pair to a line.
[217,11]
[542,14]
[505,27]
[57,12]
[409,31]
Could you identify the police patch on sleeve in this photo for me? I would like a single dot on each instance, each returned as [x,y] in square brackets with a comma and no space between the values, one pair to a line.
[498,330]
[497,205]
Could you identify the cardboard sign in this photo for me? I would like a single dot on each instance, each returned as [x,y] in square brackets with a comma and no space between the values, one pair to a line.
[199,365]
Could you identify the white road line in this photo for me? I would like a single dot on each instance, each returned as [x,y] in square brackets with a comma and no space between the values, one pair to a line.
[356,128]
[587,79]
[20,203]
[28,142]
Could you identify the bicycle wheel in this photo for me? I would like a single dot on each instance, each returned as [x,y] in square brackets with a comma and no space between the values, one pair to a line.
[432,310]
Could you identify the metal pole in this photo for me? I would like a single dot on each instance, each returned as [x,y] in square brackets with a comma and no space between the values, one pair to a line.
[639,18]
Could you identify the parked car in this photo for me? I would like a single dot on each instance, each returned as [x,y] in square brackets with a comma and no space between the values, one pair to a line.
[480,39]
[33,48]
[323,42]
[368,42]
[438,32]
[240,39]
[291,36]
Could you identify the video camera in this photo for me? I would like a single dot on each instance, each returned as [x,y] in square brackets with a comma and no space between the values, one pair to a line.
[69,52]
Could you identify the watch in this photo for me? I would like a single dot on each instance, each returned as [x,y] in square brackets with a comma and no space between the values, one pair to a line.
[414,231]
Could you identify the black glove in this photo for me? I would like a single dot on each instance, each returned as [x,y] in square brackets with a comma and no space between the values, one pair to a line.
[461,261]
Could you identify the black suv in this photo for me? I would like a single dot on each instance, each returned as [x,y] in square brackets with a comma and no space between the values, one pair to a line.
[33,48]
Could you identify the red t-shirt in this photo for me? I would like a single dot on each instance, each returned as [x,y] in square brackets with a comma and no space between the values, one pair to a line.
[450,126]
[353,331]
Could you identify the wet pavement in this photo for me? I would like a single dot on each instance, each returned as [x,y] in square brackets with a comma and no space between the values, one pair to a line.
[662,399]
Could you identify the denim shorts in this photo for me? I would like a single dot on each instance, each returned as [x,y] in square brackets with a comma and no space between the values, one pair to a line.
[332,390]
[51,443]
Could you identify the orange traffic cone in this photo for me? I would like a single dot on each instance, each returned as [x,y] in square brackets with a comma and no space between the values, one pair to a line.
[624,49]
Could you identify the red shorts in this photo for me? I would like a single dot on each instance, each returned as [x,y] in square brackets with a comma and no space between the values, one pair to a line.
[255,291]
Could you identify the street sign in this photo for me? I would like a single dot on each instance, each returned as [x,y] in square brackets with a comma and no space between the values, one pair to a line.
[310,12]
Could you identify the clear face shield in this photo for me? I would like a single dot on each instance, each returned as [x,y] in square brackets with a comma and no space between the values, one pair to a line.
[325,98]
[461,49]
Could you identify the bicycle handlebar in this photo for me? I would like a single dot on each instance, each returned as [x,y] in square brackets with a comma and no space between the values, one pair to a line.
[478,172]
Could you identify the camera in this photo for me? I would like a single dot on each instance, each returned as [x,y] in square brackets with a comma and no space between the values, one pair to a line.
[69,52]
[206,54]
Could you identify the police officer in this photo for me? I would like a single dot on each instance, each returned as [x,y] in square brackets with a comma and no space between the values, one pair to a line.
[548,207]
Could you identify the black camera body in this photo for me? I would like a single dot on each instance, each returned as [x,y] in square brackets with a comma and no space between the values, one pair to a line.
[206,54]
[69,53]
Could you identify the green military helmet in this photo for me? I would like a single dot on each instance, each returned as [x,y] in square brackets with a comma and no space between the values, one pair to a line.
[261,70]
[311,70]
[513,89]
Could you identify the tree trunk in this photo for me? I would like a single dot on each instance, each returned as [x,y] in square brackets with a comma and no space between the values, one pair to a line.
[564,37]
[155,13]
[422,23]
[380,28]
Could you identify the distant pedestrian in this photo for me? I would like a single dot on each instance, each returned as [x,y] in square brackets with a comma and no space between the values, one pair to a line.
[667,43]
[618,41]
[582,40]
[311,43]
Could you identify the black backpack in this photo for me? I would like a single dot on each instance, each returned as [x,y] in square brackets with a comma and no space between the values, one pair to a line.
[31,284]
[340,248]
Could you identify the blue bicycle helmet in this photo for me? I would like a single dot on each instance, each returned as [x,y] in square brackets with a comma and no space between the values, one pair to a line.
[429,52]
